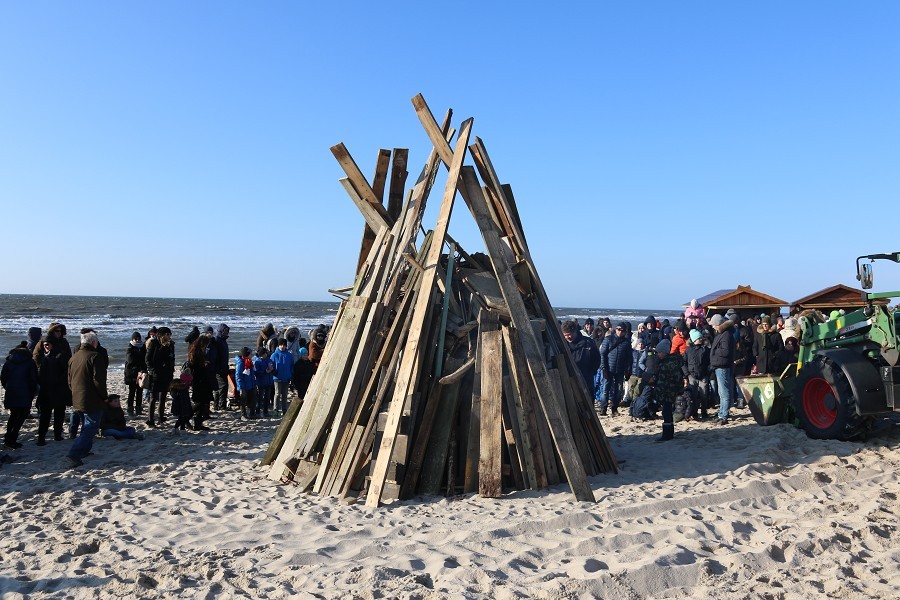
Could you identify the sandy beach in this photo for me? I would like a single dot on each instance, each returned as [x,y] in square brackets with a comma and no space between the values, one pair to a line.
[740,511]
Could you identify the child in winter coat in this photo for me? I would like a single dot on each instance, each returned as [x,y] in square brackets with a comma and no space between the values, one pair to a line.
[181,399]
[284,369]
[113,422]
[264,370]
[696,374]
[245,382]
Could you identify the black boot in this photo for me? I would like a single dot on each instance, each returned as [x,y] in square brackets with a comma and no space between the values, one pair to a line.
[668,432]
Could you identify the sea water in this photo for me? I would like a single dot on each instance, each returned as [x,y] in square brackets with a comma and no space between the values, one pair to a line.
[115,318]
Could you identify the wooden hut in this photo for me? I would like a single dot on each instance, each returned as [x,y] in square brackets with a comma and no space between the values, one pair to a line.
[743,299]
[836,297]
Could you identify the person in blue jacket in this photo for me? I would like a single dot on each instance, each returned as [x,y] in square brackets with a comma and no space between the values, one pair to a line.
[615,362]
[284,370]
[264,370]
[245,381]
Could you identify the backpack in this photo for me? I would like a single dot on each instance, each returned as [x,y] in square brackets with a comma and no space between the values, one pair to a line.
[682,408]
[644,406]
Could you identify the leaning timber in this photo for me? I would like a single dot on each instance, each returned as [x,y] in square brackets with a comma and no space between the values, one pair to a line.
[445,371]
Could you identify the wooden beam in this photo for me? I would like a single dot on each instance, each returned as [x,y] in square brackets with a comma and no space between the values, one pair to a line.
[359,182]
[490,461]
[370,214]
[398,182]
[411,362]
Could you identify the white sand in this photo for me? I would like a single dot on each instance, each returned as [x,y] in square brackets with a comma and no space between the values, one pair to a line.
[728,512]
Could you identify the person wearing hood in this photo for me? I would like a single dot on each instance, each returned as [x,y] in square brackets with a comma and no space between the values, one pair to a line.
[161,370]
[57,332]
[303,374]
[284,370]
[294,342]
[135,363]
[267,338]
[218,360]
[34,338]
[650,336]
[695,314]
[668,385]
[317,344]
[588,330]
[19,377]
[192,336]
[53,391]
[766,345]
[721,361]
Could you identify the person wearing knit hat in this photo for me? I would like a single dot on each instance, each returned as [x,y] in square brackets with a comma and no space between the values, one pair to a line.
[615,364]
[669,384]
[696,374]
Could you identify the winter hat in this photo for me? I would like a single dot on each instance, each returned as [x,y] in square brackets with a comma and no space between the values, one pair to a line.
[664,347]
[164,331]
[695,335]
[694,303]
[766,320]
[731,313]
[135,337]
[651,320]
[717,320]
[623,326]
[152,330]
[303,353]
[245,351]
[589,321]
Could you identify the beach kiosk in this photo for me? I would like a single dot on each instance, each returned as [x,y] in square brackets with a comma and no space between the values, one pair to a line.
[743,299]
[836,297]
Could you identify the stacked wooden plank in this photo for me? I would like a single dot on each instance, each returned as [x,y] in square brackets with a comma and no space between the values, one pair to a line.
[444,372]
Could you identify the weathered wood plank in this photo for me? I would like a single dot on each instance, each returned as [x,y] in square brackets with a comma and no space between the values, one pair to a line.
[398,182]
[287,421]
[491,443]
[369,213]
[410,364]
[437,444]
[359,182]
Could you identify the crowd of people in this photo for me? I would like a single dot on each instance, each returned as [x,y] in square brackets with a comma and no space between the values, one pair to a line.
[684,369]
[45,372]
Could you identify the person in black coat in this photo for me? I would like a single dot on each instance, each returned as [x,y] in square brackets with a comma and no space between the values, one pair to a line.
[135,363]
[650,336]
[696,374]
[161,370]
[19,377]
[766,345]
[219,361]
[54,390]
[584,352]
[615,361]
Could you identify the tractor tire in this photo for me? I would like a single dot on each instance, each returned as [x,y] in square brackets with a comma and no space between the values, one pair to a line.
[824,402]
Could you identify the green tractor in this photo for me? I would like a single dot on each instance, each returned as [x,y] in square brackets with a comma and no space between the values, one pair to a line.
[846,374]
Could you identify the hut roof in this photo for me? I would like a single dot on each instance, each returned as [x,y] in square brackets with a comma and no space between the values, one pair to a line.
[836,296]
[741,296]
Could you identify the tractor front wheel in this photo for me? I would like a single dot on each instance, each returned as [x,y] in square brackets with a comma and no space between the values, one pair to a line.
[824,402]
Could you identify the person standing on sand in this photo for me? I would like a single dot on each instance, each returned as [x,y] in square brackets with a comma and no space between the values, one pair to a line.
[204,380]
[284,369]
[53,391]
[766,345]
[19,377]
[161,370]
[584,352]
[245,381]
[668,386]
[615,362]
[87,380]
[721,361]
[317,339]
[135,362]
[218,360]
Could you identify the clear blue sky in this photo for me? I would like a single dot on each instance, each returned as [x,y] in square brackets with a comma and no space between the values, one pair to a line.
[658,151]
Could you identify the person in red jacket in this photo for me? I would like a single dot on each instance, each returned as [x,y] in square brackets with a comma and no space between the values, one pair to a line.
[679,338]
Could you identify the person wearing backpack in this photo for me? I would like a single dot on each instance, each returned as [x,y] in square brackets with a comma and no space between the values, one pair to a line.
[668,386]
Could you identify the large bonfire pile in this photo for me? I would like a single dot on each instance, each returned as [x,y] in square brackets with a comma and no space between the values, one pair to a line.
[445,372]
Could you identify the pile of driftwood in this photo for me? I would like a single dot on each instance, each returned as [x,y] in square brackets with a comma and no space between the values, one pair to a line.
[444,372]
